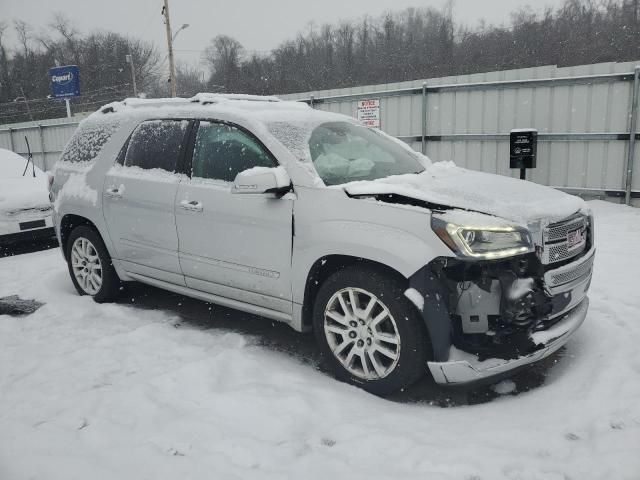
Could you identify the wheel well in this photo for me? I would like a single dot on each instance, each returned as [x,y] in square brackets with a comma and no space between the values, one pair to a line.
[326,266]
[68,223]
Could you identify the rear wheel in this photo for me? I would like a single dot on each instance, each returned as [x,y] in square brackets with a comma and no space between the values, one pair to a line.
[369,332]
[90,265]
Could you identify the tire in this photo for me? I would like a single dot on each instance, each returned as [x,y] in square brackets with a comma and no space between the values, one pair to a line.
[392,325]
[86,245]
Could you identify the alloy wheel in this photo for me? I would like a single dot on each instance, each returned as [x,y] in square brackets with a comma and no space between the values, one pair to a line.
[362,333]
[86,266]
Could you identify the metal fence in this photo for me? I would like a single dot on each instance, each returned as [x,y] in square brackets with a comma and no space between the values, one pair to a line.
[586,117]
[46,138]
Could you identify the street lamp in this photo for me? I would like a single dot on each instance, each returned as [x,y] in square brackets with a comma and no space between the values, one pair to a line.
[184,25]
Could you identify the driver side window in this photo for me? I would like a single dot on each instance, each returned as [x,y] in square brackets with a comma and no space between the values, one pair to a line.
[222,151]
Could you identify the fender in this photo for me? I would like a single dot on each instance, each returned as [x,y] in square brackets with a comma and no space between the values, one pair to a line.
[397,236]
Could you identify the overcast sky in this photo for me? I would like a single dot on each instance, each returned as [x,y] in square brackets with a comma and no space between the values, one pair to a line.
[257,24]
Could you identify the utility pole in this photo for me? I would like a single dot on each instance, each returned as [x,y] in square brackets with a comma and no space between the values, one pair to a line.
[172,67]
[26,103]
[133,74]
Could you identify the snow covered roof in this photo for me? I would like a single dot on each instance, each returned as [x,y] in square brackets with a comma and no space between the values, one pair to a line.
[210,101]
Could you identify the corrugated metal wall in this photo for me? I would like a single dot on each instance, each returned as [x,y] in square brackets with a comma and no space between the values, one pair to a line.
[583,123]
[478,119]
[47,138]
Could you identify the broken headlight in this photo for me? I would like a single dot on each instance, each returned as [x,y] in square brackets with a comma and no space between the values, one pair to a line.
[486,242]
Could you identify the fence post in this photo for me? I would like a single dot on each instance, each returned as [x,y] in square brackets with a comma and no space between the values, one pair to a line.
[42,149]
[424,118]
[632,136]
[11,140]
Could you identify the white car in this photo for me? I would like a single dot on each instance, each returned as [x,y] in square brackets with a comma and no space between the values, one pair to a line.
[25,209]
[399,265]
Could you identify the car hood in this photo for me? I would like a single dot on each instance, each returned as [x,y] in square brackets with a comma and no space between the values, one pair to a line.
[23,193]
[444,184]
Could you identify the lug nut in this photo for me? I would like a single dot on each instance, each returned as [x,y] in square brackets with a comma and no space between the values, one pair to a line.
[360,343]
[353,323]
[368,341]
[352,334]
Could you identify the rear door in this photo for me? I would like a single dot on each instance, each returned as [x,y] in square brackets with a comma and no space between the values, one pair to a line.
[234,245]
[139,197]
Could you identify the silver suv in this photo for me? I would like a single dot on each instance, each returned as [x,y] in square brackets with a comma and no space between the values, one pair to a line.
[398,265]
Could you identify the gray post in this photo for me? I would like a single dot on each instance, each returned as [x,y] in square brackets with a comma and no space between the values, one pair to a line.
[129,59]
[11,146]
[632,136]
[424,118]
[42,149]
[311,102]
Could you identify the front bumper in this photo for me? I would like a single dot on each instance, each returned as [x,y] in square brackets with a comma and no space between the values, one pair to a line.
[469,369]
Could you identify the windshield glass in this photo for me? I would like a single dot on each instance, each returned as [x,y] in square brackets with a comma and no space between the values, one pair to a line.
[344,152]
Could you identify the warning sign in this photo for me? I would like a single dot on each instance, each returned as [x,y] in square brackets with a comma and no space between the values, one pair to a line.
[369,112]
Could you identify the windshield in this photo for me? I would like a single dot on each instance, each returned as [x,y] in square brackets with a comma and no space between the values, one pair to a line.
[344,152]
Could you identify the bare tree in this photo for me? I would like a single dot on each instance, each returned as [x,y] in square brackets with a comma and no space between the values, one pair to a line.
[223,56]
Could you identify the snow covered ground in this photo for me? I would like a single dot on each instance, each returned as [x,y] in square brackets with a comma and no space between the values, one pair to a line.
[173,390]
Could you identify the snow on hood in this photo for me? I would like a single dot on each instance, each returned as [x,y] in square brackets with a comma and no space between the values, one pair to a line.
[17,191]
[23,193]
[443,183]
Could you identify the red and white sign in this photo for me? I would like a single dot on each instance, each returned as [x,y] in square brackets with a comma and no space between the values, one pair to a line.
[369,112]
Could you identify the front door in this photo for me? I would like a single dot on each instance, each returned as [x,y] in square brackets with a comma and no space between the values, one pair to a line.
[139,197]
[235,246]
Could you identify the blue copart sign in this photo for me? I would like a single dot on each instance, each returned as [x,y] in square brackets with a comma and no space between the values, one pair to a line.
[65,81]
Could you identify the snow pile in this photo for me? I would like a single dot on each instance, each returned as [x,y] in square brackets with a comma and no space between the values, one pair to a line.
[111,391]
[19,192]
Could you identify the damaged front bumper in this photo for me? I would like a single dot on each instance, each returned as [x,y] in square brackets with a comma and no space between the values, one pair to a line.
[458,360]
[468,368]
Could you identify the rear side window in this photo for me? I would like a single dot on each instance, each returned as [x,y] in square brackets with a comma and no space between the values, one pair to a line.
[222,151]
[88,140]
[156,144]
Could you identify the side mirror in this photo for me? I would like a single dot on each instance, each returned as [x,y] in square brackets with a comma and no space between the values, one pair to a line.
[262,180]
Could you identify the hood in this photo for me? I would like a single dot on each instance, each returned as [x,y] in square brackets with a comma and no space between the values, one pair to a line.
[23,193]
[445,184]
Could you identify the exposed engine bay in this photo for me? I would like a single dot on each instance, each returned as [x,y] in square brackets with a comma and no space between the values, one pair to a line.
[494,307]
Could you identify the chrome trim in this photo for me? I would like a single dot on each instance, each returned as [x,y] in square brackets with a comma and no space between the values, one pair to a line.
[465,371]
[569,276]
[554,239]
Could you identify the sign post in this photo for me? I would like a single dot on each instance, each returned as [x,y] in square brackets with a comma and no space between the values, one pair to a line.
[369,112]
[523,150]
[65,83]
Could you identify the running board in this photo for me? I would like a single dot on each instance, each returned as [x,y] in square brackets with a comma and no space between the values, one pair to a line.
[218,300]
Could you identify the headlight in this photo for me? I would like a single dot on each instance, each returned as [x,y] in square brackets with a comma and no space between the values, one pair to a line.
[487,242]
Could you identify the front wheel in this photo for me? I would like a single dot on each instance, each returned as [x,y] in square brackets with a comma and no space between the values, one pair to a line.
[369,332]
[90,265]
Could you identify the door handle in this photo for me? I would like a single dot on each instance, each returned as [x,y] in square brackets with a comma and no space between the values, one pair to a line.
[114,192]
[192,206]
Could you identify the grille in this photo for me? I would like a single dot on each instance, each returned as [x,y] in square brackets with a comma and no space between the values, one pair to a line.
[558,277]
[555,247]
[559,231]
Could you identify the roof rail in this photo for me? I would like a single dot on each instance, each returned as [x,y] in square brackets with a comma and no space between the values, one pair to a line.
[205,98]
